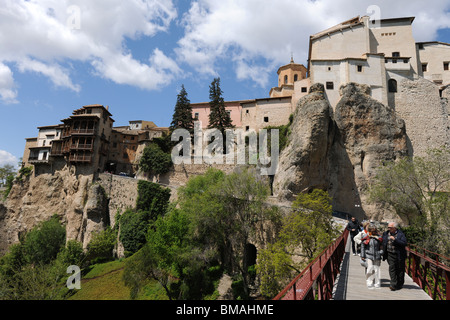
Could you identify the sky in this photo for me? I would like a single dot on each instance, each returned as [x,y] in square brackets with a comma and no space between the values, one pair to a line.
[133,56]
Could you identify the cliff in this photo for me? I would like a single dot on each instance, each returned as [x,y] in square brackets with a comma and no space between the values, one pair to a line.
[81,205]
[340,152]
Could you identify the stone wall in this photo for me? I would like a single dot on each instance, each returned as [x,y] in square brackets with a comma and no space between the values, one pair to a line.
[121,191]
[419,104]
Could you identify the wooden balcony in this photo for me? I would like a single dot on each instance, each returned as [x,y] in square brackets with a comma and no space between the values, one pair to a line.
[82,132]
[35,160]
[80,158]
[79,146]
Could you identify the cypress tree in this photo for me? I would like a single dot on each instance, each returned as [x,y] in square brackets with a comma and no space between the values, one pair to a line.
[182,116]
[218,116]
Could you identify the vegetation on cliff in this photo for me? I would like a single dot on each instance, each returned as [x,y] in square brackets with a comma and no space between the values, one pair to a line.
[417,189]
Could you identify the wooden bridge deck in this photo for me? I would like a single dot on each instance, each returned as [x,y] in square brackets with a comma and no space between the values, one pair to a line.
[351,283]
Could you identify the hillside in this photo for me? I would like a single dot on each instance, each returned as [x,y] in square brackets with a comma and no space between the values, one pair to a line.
[104,282]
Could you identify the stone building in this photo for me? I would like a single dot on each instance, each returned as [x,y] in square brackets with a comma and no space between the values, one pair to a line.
[88,142]
[128,142]
[381,54]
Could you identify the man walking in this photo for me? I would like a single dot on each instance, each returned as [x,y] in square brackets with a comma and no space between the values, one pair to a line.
[394,242]
[353,227]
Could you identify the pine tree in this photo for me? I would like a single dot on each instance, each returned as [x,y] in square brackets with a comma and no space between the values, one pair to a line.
[218,116]
[182,116]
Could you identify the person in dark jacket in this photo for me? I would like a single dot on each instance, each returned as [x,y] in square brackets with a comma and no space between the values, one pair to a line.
[372,252]
[353,227]
[394,243]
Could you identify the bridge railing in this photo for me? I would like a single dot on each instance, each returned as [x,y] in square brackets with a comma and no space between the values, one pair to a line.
[317,279]
[430,271]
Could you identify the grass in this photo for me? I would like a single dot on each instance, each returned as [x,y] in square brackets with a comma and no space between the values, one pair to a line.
[104,282]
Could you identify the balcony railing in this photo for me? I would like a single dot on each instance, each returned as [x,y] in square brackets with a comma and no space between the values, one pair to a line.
[83,131]
[80,158]
[35,160]
[79,146]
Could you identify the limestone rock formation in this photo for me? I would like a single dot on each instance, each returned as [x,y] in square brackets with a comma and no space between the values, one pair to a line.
[339,152]
[81,206]
[371,134]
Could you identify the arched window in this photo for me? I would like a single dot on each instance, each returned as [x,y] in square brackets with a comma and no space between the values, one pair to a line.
[285,79]
[295,77]
[392,84]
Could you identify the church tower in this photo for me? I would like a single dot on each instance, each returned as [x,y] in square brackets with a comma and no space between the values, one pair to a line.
[290,73]
[287,76]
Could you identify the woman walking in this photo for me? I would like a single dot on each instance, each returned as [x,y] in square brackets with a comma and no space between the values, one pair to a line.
[372,252]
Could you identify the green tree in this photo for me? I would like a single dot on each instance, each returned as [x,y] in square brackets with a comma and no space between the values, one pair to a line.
[182,116]
[133,230]
[228,213]
[218,116]
[152,202]
[101,246]
[153,198]
[306,231]
[154,160]
[418,191]
[42,243]
[6,171]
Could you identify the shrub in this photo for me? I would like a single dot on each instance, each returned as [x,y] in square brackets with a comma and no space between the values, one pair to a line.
[42,243]
[101,246]
[72,253]
[133,229]
[154,160]
[153,198]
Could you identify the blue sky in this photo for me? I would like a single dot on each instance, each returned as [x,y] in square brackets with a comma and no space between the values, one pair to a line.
[58,55]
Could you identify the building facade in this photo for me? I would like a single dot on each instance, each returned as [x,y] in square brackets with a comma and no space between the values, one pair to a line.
[88,141]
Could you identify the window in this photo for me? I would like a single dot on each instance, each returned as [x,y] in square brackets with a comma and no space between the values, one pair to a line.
[196,116]
[295,77]
[392,84]
[396,54]
[266,119]
[359,68]
[329,68]
[420,46]
[247,111]
[304,89]
[247,128]
[446,66]
[285,79]
[330,85]
[424,67]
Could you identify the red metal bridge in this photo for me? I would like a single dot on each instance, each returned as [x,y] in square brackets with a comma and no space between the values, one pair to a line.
[337,275]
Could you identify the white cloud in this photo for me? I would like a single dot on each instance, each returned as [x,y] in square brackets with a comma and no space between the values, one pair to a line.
[255,36]
[56,73]
[7,158]
[123,69]
[40,35]
[7,91]
[259,35]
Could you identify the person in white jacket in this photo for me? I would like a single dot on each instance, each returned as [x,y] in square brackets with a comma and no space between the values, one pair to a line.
[361,234]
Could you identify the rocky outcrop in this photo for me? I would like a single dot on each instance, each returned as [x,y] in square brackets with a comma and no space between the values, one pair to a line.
[339,152]
[371,134]
[314,156]
[95,214]
[81,206]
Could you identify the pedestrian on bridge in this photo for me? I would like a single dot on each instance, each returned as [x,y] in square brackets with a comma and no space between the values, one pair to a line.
[372,252]
[353,227]
[361,235]
[394,242]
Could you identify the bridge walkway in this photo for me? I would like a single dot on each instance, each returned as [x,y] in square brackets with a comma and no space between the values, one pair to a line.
[351,283]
